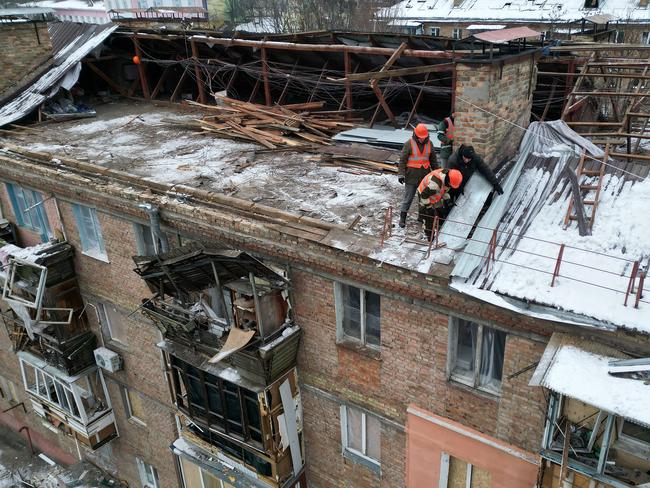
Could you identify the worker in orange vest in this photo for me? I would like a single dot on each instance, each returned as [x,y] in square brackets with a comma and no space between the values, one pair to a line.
[446,131]
[433,191]
[417,160]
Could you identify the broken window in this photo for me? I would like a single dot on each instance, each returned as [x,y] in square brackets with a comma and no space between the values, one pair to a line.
[591,3]
[144,240]
[358,315]
[148,474]
[111,320]
[476,354]
[195,477]
[455,472]
[29,210]
[90,232]
[361,435]
[133,405]
[222,404]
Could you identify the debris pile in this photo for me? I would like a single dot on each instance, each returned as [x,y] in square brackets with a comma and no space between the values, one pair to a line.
[297,127]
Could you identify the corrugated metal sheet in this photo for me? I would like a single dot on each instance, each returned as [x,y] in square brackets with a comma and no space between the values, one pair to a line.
[71,43]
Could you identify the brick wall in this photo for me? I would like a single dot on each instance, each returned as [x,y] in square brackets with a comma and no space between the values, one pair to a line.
[503,89]
[21,52]
[410,369]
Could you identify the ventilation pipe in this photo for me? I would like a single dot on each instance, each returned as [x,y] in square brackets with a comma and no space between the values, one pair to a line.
[159,237]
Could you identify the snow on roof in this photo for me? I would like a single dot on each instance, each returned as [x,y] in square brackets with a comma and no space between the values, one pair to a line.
[513,10]
[579,369]
[486,27]
[72,5]
[595,270]
[264,24]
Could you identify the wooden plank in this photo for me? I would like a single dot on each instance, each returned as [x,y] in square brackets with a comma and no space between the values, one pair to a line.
[161,81]
[179,85]
[418,70]
[197,72]
[142,73]
[265,78]
[577,205]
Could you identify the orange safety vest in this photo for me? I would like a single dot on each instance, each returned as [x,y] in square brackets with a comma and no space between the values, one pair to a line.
[419,159]
[440,175]
[450,128]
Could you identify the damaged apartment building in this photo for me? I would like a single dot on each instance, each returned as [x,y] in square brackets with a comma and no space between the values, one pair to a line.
[203,286]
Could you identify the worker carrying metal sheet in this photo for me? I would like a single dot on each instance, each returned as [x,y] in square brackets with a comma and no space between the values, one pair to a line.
[467,161]
[433,192]
[417,160]
[446,131]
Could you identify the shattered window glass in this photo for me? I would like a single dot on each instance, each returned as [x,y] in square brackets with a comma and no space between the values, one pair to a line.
[90,232]
[351,311]
[492,351]
[466,347]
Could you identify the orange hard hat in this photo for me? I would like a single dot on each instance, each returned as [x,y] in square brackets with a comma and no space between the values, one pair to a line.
[455,178]
[136,59]
[421,131]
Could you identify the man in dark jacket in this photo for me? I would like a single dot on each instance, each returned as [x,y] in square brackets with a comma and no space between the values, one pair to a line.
[467,161]
[418,160]
[446,137]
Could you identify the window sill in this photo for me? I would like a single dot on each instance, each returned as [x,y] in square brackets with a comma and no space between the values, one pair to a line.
[365,350]
[136,421]
[467,385]
[371,464]
[98,256]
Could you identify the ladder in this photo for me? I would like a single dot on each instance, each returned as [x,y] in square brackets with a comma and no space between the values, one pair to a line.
[586,187]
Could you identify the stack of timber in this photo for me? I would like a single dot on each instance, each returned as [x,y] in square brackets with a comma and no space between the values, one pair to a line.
[297,127]
[272,127]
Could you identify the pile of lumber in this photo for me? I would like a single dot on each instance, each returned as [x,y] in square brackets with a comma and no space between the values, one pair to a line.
[272,127]
[298,127]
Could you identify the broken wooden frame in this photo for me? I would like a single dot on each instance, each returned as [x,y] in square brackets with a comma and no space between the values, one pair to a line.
[12,289]
[574,447]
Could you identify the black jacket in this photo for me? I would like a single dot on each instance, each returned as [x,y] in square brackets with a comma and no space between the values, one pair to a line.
[413,176]
[477,163]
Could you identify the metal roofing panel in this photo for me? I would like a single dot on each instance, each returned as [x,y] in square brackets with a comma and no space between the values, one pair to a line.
[22,11]
[66,58]
[505,35]
[601,18]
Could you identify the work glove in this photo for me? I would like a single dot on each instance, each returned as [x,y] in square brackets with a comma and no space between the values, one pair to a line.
[498,189]
[401,180]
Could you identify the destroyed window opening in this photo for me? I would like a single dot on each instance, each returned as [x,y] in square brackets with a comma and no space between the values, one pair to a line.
[632,444]
[112,325]
[128,406]
[145,241]
[346,440]
[92,242]
[29,211]
[346,313]
[185,464]
[477,367]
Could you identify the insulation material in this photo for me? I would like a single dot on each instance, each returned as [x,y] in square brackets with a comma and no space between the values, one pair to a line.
[237,339]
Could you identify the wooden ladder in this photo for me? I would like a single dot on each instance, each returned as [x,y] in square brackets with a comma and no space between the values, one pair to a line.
[586,187]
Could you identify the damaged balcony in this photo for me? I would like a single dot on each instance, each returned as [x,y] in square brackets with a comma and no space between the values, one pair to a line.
[224,305]
[43,312]
[230,345]
[598,423]
[77,405]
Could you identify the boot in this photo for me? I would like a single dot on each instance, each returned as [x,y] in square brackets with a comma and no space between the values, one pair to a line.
[402,219]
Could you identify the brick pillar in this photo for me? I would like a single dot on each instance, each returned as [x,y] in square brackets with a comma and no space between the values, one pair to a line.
[486,94]
[24,49]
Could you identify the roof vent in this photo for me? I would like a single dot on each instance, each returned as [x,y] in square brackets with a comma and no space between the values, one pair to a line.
[458,3]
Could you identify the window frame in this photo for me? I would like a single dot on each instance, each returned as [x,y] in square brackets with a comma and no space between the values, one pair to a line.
[22,199]
[457,33]
[181,460]
[630,444]
[128,409]
[222,422]
[339,305]
[452,351]
[98,252]
[645,38]
[142,470]
[142,247]
[434,31]
[354,454]
[105,321]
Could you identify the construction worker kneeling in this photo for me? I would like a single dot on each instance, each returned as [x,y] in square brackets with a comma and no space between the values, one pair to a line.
[433,191]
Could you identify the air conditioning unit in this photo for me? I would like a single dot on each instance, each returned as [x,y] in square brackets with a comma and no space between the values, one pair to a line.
[107,359]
